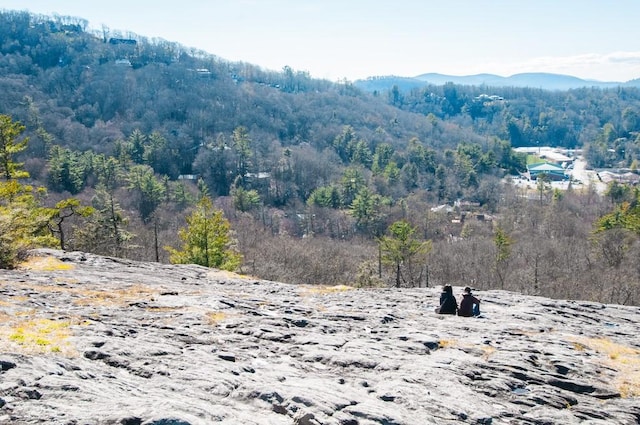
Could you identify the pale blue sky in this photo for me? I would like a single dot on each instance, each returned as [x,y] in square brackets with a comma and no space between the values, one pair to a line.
[592,39]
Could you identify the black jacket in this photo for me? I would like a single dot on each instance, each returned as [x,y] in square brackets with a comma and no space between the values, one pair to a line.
[466,305]
[448,304]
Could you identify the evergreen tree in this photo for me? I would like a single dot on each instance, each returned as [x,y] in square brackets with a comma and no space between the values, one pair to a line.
[245,200]
[148,190]
[137,140]
[23,221]
[63,210]
[10,146]
[66,170]
[105,232]
[400,249]
[206,240]
[365,209]
[382,157]
[352,182]
[502,243]
[242,149]
[325,196]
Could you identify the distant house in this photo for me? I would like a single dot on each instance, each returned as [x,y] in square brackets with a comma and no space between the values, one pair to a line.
[556,157]
[554,172]
[203,72]
[188,177]
[125,41]
[444,208]
[260,175]
[608,176]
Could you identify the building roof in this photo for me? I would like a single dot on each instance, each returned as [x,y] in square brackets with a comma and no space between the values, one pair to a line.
[555,156]
[543,167]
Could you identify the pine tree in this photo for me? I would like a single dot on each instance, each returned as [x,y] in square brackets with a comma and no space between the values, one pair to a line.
[105,232]
[206,240]
[10,146]
[400,249]
[148,190]
[502,242]
[63,210]
[23,221]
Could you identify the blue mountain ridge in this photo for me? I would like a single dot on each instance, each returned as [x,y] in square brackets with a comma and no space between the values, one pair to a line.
[538,80]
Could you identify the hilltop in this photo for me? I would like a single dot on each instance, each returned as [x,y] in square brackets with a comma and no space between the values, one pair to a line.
[99,340]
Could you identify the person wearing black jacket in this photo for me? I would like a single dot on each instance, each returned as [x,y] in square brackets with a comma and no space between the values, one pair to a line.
[469,305]
[448,303]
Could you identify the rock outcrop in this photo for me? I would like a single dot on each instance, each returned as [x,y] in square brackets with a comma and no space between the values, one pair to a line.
[86,339]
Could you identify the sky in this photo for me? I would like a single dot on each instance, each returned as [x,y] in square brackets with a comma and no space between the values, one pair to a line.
[355,39]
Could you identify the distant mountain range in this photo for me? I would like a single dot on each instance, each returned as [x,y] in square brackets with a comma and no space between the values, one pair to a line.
[538,80]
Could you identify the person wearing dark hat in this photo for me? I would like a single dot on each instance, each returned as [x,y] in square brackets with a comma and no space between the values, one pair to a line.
[469,305]
[448,303]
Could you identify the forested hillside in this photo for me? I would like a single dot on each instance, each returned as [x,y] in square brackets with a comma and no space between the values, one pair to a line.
[320,182]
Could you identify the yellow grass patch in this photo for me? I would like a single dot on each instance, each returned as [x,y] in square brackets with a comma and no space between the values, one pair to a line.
[578,346]
[484,351]
[216,317]
[323,289]
[163,309]
[38,336]
[45,264]
[446,343]
[217,274]
[114,297]
[120,297]
[488,351]
[625,360]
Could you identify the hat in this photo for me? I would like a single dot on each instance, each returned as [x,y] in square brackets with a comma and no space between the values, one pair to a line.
[467,290]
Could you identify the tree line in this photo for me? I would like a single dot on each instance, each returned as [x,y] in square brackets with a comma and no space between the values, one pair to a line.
[320,182]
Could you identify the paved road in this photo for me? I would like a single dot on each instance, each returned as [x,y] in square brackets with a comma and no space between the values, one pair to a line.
[585,176]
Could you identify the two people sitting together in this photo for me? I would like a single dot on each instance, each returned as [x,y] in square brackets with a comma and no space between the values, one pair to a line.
[469,306]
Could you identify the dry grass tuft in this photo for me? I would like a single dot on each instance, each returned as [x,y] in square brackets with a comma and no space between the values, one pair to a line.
[86,296]
[163,309]
[324,290]
[45,264]
[216,317]
[447,343]
[578,346]
[41,336]
[217,274]
[115,297]
[625,360]
[482,351]
[488,351]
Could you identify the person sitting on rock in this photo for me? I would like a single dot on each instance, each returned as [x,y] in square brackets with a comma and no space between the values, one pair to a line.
[448,303]
[469,305]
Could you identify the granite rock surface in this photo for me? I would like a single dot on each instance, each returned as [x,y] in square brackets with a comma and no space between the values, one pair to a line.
[86,339]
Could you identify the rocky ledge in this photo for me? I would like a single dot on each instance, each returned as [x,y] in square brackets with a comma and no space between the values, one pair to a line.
[86,339]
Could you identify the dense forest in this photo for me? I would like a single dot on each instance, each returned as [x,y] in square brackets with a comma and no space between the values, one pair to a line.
[117,144]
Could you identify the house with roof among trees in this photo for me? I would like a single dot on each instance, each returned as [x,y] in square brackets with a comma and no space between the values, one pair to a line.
[552,171]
